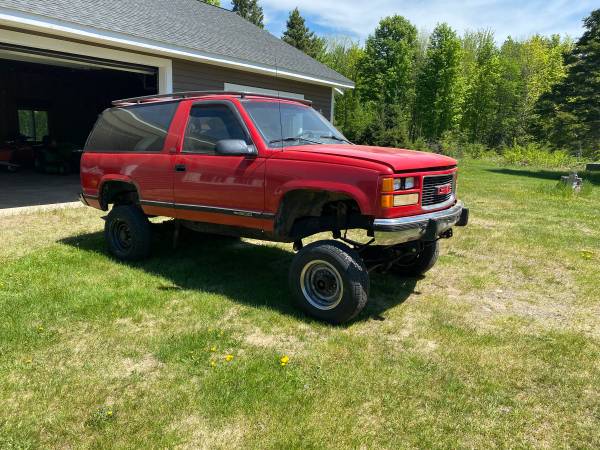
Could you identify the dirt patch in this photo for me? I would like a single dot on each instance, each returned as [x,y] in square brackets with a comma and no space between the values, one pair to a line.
[147,364]
[204,435]
[147,325]
[281,342]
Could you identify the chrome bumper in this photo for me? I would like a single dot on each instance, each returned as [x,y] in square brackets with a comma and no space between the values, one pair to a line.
[424,226]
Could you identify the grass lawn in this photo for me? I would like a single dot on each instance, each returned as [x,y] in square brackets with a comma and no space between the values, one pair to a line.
[499,345]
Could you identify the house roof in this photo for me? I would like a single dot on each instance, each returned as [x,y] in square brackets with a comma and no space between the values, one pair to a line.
[188,25]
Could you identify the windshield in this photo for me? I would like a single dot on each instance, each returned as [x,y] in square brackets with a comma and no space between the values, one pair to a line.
[297,124]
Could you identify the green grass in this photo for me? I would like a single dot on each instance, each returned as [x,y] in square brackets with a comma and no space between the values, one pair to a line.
[498,346]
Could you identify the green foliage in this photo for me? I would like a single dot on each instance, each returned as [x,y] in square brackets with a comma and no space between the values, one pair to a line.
[386,72]
[298,35]
[213,2]
[351,115]
[481,102]
[528,69]
[569,115]
[249,10]
[434,91]
[536,155]
[438,85]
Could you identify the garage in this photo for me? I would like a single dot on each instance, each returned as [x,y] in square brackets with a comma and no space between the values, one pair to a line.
[49,102]
[63,62]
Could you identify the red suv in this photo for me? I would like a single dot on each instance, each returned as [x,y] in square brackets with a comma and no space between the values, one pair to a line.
[270,168]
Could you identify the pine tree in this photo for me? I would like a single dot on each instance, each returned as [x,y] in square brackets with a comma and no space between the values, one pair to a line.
[438,94]
[570,113]
[298,35]
[213,2]
[249,10]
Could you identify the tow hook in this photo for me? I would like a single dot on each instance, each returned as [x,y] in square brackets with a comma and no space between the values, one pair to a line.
[298,245]
[446,234]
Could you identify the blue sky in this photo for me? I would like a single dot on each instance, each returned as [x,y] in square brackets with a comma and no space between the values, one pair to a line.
[357,18]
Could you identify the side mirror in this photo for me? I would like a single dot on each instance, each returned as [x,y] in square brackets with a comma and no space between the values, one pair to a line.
[234,147]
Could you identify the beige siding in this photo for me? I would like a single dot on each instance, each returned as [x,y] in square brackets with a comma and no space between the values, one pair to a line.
[190,76]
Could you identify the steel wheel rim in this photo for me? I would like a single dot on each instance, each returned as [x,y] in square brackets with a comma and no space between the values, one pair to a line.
[121,235]
[321,284]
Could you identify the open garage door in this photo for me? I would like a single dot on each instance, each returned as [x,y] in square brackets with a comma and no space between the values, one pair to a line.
[49,102]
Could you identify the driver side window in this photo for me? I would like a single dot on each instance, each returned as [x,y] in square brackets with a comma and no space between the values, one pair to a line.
[209,124]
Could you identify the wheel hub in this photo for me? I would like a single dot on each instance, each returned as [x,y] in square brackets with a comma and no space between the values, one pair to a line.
[122,235]
[321,284]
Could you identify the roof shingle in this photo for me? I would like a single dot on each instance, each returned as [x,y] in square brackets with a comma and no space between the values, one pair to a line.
[188,24]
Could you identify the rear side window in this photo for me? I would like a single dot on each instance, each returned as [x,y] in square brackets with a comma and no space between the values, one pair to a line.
[140,128]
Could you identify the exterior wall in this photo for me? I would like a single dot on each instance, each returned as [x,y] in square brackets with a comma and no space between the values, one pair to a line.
[191,76]
[183,75]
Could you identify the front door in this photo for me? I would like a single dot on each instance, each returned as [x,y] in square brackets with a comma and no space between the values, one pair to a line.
[209,187]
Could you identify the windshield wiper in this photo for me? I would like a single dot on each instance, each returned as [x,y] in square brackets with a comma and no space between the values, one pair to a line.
[290,139]
[335,138]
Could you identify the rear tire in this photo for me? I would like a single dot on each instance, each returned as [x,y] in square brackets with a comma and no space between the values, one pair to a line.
[329,281]
[128,233]
[419,264]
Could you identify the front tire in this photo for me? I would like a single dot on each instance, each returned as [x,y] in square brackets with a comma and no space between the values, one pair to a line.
[329,281]
[127,233]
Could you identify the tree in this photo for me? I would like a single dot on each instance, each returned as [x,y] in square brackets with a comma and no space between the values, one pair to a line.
[213,2]
[569,115]
[386,80]
[249,10]
[483,71]
[386,71]
[438,85]
[344,55]
[528,70]
[298,35]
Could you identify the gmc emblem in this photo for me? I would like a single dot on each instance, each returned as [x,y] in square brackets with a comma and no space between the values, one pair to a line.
[444,190]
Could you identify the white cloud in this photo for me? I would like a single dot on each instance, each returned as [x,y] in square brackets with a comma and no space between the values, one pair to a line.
[359,18]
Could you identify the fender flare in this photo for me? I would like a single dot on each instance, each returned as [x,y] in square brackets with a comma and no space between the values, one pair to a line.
[114,178]
[361,198]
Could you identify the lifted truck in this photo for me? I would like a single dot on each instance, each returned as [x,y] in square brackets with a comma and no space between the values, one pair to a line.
[270,168]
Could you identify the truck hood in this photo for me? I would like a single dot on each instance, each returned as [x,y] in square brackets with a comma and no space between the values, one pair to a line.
[398,159]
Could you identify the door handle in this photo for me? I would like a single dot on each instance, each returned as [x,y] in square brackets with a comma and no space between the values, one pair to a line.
[179,167]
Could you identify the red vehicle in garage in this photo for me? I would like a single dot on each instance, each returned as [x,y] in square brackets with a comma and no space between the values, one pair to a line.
[274,169]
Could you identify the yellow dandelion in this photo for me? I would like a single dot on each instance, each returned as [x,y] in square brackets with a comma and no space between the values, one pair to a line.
[586,254]
[284,360]
[228,357]
[109,413]
[213,349]
[213,364]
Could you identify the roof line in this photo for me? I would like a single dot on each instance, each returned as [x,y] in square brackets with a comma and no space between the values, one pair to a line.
[36,22]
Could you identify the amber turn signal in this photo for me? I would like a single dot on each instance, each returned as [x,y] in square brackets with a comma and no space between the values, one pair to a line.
[387,201]
[387,185]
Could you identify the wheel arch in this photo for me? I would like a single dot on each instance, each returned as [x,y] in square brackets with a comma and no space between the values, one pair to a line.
[117,190]
[308,210]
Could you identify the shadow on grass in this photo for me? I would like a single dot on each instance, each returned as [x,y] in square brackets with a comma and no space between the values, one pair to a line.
[590,177]
[252,274]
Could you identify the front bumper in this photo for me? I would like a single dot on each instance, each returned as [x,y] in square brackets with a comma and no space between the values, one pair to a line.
[424,226]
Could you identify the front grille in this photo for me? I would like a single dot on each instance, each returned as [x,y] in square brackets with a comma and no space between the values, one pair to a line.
[429,196]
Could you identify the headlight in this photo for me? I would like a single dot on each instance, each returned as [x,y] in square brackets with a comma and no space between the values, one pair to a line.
[397,184]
